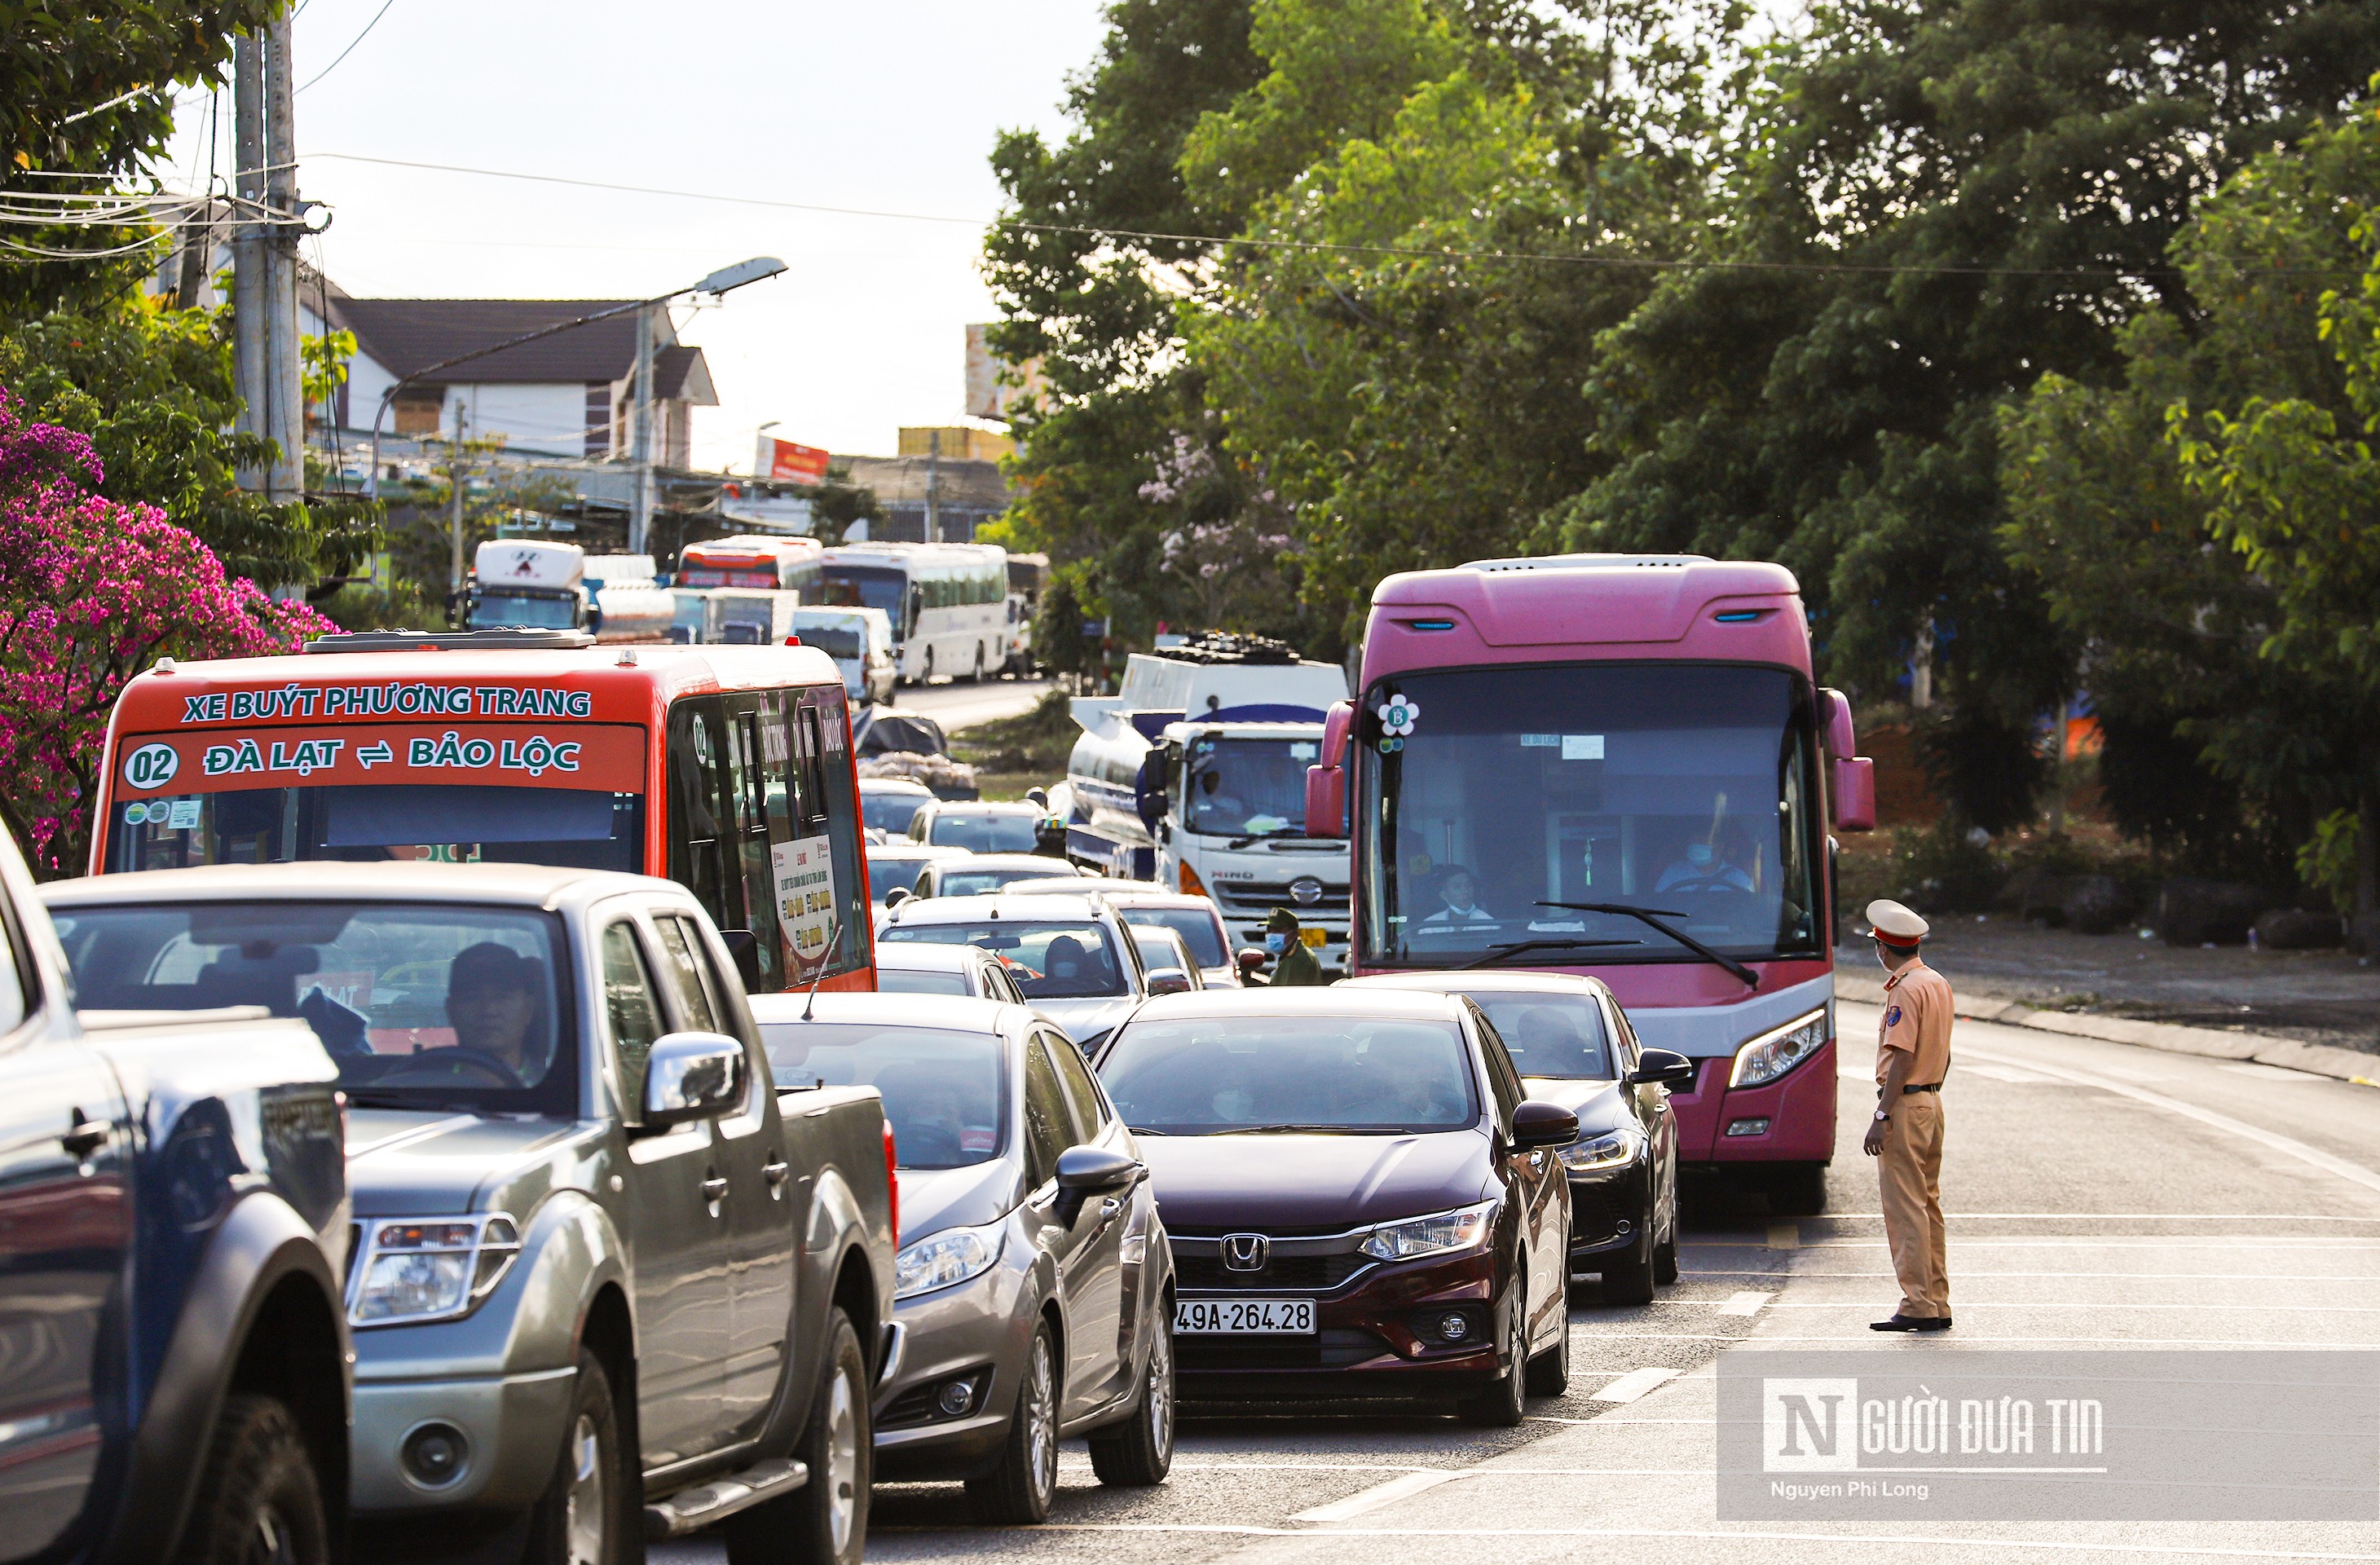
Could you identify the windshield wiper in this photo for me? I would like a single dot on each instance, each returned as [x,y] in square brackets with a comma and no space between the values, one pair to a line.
[1143,1130]
[1652,916]
[368,1099]
[1497,952]
[1313,1130]
[1238,842]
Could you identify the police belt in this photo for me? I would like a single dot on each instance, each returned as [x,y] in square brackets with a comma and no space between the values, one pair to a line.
[1929,1087]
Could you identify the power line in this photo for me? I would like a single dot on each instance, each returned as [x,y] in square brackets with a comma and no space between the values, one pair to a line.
[351,45]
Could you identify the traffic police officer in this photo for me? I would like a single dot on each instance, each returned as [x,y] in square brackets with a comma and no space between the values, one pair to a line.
[1294,963]
[1905,1138]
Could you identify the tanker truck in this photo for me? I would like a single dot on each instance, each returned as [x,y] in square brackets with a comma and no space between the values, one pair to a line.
[1194,776]
[520,582]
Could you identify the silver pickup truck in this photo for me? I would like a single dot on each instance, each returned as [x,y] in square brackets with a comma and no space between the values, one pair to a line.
[610,1283]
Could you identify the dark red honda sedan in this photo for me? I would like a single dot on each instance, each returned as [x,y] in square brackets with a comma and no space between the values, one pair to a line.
[1360,1202]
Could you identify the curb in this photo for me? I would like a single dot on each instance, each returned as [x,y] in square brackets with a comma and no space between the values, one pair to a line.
[2315,1059]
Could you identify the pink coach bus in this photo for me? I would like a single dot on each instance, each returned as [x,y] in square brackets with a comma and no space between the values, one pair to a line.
[1620,766]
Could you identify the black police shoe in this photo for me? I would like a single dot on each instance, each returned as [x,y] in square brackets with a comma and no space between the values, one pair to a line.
[1899,1322]
[1938,1323]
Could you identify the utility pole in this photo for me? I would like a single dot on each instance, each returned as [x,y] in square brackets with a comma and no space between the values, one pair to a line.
[640,517]
[933,486]
[455,518]
[264,261]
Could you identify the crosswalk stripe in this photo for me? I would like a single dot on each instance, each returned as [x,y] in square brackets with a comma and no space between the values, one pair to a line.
[1634,1384]
[1746,1302]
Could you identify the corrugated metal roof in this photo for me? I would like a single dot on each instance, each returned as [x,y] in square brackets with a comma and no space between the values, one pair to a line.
[409,334]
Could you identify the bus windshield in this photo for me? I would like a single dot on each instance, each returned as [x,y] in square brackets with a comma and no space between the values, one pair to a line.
[869,586]
[1682,791]
[1248,787]
[446,823]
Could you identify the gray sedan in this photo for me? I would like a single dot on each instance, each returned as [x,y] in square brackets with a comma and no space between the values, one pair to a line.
[1035,1286]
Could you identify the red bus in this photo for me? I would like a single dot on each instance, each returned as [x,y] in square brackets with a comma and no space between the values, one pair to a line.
[726,768]
[1620,766]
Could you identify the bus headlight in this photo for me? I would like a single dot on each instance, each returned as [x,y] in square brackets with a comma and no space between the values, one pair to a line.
[1764,1058]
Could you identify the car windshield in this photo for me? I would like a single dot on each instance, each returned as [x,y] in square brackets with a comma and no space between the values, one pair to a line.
[895,980]
[575,828]
[891,811]
[945,1092]
[983,831]
[1680,790]
[1196,926]
[495,611]
[1556,1035]
[959,881]
[1211,1075]
[1236,787]
[420,1004]
[1052,961]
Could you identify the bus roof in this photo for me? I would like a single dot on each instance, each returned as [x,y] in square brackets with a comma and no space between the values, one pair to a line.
[627,682]
[1576,607]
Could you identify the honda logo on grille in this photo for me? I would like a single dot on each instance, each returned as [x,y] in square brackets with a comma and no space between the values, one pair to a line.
[1245,1252]
[1305,891]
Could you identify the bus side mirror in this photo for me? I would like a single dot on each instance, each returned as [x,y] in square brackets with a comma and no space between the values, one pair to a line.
[1326,785]
[1854,794]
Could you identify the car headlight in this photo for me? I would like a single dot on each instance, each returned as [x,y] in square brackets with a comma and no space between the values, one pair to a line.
[1764,1058]
[945,1260]
[1606,1151]
[1439,1233]
[429,1269]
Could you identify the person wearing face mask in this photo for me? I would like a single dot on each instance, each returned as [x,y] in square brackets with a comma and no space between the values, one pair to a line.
[1292,959]
[1702,869]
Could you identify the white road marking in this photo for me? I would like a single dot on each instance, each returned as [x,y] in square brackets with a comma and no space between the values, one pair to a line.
[1746,1303]
[2358,1280]
[1379,1495]
[2313,1157]
[1965,1304]
[2267,1073]
[2004,1074]
[1696,1534]
[1634,1384]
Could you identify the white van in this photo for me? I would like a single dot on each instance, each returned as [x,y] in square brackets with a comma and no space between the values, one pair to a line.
[860,642]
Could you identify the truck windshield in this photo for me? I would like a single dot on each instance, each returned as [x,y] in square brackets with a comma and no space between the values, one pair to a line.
[1239,787]
[1069,961]
[944,1091]
[1217,1075]
[495,610]
[420,1005]
[869,586]
[575,828]
[1681,790]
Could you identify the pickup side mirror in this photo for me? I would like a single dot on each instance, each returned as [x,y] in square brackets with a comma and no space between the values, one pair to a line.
[1085,1172]
[1326,784]
[1537,1124]
[692,1076]
[1661,1066]
[1038,797]
[895,897]
[1250,962]
[745,947]
[1168,980]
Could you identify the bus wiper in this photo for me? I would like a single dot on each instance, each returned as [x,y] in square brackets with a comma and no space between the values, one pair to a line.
[1497,952]
[1653,917]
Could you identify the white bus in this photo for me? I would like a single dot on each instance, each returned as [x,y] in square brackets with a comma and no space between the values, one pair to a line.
[948,603]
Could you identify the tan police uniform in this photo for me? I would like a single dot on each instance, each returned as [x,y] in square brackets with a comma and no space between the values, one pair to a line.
[1917,1020]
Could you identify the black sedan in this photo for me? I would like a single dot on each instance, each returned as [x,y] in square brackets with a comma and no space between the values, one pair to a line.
[1573,1045]
[1360,1200]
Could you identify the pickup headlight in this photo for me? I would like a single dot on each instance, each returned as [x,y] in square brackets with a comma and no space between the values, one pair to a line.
[948,1258]
[1441,1234]
[1606,1151]
[429,1269]
[1764,1058]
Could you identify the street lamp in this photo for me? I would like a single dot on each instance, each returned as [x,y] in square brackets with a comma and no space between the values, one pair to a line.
[719,282]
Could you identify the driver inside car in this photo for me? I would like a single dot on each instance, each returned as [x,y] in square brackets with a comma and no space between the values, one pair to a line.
[495,1002]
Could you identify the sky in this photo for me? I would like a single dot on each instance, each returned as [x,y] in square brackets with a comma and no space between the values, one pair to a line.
[888,107]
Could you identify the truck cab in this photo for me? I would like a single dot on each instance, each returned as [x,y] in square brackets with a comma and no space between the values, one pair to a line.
[1194,776]
[531,584]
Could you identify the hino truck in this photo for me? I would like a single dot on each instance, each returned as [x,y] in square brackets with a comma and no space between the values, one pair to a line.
[522,582]
[1194,776]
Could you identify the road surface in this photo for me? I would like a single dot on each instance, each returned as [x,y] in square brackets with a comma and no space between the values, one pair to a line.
[957,705]
[2100,1196]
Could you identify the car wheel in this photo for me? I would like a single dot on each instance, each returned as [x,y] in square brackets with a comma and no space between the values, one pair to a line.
[1798,1190]
[825,1521]
[1019,1489]
[260,1502]
[1503,1404]
[591,1510]
[1139,1449]
[1549,1371]
[1664,1260]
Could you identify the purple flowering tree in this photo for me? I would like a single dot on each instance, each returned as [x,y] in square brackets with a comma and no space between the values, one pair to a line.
[1231,537]
[92,592]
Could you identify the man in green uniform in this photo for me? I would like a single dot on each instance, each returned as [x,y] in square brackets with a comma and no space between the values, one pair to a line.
[1294,961]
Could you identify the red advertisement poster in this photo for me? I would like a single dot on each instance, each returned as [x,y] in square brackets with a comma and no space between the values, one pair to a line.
[599,756]
[789,463]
